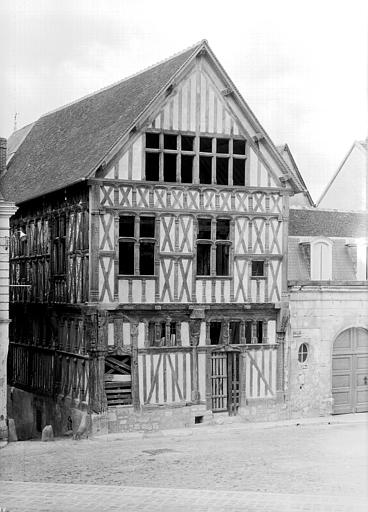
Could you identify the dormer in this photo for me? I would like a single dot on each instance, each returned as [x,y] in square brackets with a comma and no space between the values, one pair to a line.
[318,255]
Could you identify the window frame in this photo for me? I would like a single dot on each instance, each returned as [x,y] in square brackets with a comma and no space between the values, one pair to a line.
[59,256]
[197,153]
[215,245]
[251,331]
[138,241]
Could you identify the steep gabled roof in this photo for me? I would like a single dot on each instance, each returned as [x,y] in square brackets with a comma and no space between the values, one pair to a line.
[68,145]
[64,146]
[362,146]
[330,223]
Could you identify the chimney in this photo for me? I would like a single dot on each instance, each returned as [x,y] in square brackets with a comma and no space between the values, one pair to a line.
[2,155]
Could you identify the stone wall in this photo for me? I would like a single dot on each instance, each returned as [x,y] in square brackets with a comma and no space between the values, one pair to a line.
[126,419]
[6,210]
[317,315]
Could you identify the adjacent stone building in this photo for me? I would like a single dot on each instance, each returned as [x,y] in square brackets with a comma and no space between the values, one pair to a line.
[328,331]
[7,209]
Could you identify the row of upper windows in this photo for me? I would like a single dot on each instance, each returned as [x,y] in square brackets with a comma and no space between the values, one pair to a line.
[137,247]
[192,159]
[218,333]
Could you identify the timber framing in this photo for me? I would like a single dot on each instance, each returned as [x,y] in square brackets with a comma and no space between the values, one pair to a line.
[159,280]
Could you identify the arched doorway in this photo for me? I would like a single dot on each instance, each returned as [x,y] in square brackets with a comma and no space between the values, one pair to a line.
[350,371]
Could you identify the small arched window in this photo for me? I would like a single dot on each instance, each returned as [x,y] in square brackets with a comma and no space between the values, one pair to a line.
[303,353]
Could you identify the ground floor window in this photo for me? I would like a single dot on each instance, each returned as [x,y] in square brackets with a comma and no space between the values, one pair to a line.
[162,334]
[235,332]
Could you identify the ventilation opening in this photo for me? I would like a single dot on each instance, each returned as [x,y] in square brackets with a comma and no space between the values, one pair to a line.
[198,419]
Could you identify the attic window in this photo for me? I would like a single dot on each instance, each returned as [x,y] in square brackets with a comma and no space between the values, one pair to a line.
[152,140]
[184,158]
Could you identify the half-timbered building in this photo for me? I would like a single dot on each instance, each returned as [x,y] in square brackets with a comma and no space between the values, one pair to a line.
[149,255]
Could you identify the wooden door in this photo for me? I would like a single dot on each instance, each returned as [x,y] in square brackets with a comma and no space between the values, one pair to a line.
[118,380]
[225,382]
[350,371]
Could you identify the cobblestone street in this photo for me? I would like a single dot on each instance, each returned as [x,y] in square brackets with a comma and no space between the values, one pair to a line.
[234,467]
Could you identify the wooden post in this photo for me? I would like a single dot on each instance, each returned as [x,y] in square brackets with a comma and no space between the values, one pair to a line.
[194,329]
[134,367]
[242,380]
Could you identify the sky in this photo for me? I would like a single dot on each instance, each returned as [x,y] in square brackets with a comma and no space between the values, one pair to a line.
[300,65]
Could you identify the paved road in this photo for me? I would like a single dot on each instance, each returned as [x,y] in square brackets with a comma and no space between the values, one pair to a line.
[21,497]
[284,468]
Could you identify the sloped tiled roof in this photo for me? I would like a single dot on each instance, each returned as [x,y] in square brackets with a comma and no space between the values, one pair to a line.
[64,146]
[329,223]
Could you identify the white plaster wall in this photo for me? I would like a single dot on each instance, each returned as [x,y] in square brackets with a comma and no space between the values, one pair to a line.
[317,316]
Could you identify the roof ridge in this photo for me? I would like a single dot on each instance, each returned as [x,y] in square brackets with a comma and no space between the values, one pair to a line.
[118,82]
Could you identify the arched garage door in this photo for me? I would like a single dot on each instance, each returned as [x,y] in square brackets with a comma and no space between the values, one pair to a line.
[350,371]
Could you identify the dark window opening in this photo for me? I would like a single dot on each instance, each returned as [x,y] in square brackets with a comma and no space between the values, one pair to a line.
[147,258]
[238,172]
[126,258]
[248,332]
[147,227]
[170,141]
[259,332]
[204,229]
[239,147]
[257,268]
[215,333]
[303,353]
[126,226]
[203,259]
[157,334]
[38,420]
[222,260]
[222,229]
[152,166]
[186,169]
[198,419]
[187,143]
[234,333]
[222,145]
[205,144]
[205,169]
[169,167]
[222,171]
[152,140]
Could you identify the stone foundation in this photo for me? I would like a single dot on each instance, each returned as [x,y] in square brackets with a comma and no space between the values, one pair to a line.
[31,413]
[148,419]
